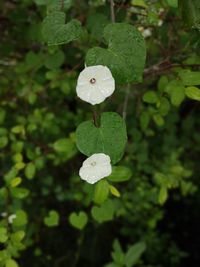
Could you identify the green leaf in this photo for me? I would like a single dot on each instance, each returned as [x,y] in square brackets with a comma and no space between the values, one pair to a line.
[3,141]
[150,97]
[114,191]
[19,166]
[11,263]
[33,60]
[19,192]
[30,170]
[120,174]
[54,61]
[103,213]
[190,12]
[21,218]
[62,145]
[18,157]
[193,92]
[10,175]
[134,253]
[18,129]
[163,195]
[32,98]
[162,83]
[158,119]
[190,77]
[56,32]
[173,3]
[110,138]
[101,191]
[78,220]
[125,55]
[52,219]
[176,90]
[177,96]
[118,254]
[3,235]
[17,236]
[163,106]
[65,147]
[140,3]
[4,255]
[15,182]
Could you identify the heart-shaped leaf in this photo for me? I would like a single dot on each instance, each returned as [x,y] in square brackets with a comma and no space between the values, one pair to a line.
[103,213]
[110,138]
[78,220]
[52,219]
[20,219]
[125,55]
[56,32]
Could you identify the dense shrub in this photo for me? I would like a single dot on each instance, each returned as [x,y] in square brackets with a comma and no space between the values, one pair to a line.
[146,212]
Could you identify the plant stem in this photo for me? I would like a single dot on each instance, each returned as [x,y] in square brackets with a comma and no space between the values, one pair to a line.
[95,118]
[96,113]
[112,11]
[124,112]
[79,244]
[62,5]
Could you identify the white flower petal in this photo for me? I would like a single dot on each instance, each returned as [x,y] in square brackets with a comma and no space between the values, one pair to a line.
[84,92]
[107,90]
[95,168]
[96,97]
[95,84]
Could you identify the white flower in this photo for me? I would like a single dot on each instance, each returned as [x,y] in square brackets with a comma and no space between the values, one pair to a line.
[95,168]
[11,218]
[160,22]
[140,29]
[146,33]
[4,214]
[95,84]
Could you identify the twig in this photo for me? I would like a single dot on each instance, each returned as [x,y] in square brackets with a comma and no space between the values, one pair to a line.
[127,6]
[165,66]
[112,11]
[8,63]
[79,244]
[124,112]
[62,5]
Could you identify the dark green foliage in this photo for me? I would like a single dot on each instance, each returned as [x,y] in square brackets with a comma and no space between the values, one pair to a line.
[56,32]
[146,213]
[125,55]
[190,11]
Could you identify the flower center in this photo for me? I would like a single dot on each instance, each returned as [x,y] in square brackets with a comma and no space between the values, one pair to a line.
[93,80]
[93,163]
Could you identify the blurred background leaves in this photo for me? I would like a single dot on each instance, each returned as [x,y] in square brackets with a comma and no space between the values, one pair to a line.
[146,213]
